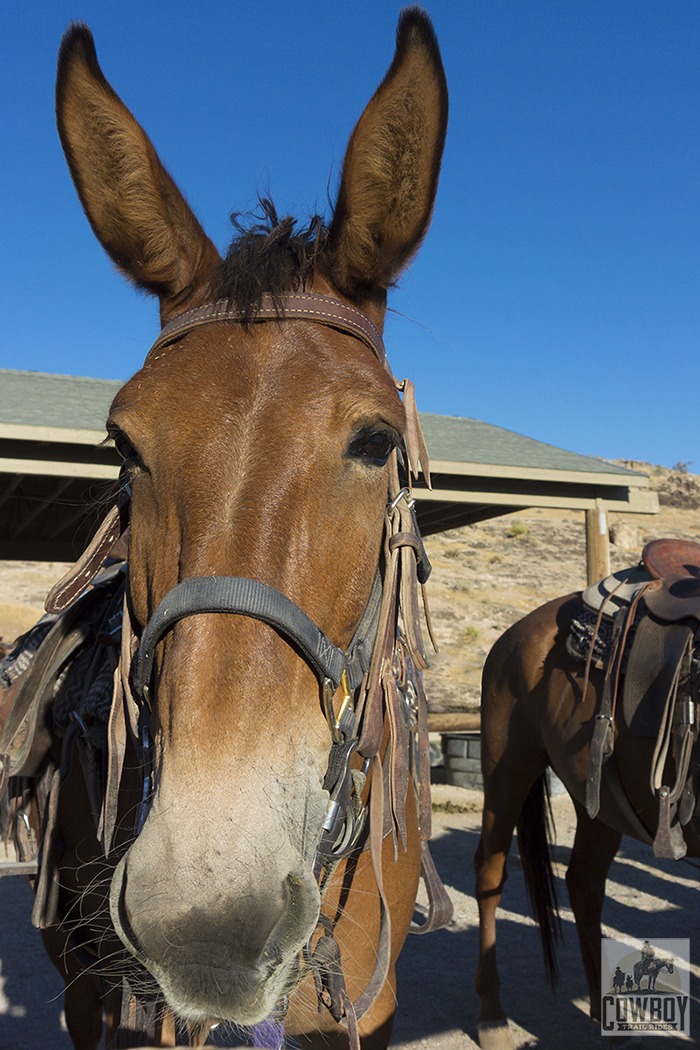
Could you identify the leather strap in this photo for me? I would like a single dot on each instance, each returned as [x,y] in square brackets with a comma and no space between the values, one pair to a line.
[244,597]
[376,823]
[631,823]
[321,309]
[440,909]
[416,447]
[26,739]
[668,841]
[82,573]
[302,306]
[123,719]
[45,909]
[603,738]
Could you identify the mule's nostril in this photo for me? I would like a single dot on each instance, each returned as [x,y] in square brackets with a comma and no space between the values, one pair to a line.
[298,919]
[120,913]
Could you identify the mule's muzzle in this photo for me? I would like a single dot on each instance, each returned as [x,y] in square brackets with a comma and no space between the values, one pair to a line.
[231,959]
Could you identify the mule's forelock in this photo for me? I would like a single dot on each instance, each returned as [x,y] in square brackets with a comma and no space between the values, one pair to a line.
[268,256]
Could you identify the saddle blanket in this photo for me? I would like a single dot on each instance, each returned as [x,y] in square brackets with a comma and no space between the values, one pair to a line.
[70,698]
[583,634]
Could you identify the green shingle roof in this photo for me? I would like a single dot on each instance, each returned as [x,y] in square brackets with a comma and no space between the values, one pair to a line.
[43,400]
[458,440]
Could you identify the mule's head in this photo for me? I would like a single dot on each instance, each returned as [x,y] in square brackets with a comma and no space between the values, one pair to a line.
[255,450]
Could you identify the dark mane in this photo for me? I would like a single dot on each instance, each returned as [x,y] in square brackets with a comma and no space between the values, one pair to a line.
[268,256]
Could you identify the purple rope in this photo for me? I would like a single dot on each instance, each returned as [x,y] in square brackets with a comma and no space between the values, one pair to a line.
[269,1034]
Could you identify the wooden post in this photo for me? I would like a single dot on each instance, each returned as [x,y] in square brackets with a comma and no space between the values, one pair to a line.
[597,545]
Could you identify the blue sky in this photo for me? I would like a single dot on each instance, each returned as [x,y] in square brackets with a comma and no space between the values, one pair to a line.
[557,291]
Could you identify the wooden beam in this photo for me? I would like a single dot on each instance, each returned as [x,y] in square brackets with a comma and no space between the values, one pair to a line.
[19,867]
[454,722]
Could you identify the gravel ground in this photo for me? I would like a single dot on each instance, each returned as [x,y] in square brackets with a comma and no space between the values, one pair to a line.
[647,898]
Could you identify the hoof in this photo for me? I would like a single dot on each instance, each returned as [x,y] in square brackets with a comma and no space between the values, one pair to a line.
[494,1035]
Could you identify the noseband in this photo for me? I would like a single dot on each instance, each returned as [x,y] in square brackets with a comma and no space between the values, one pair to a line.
[245,597]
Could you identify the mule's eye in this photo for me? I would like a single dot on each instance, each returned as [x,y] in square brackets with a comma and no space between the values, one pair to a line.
[124,447]
[375,446]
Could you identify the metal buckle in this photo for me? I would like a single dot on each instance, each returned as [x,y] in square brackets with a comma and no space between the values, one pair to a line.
[404,493]
[342,827]
[329,691]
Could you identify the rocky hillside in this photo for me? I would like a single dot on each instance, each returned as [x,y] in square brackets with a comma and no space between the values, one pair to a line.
[485,576]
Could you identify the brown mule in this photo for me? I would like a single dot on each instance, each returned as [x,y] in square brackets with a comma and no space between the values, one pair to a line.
[270,524]
[538,709]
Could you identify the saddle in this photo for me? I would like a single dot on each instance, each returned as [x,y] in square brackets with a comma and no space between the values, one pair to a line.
[49,678]
[651,683]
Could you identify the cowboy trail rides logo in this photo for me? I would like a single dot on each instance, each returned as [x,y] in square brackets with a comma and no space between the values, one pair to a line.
[645,989]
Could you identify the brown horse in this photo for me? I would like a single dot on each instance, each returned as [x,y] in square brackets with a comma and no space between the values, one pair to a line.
[270,542]
[539,709]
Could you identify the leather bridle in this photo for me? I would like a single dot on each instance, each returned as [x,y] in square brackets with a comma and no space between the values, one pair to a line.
[346,815]
[249,597]
[368,670]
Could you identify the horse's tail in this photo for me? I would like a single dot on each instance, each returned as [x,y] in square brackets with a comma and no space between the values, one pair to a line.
[535,833]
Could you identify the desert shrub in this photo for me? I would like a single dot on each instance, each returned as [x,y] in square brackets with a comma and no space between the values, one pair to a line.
[517,529]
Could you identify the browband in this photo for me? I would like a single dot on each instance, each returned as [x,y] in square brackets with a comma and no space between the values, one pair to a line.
[322,309]
[302,306]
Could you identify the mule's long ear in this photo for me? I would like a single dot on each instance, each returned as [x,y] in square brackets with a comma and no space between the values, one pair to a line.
[391,166]
[134,207]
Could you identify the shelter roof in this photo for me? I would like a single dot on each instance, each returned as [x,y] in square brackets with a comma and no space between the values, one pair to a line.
[43,400]
[53,467]
[455,439]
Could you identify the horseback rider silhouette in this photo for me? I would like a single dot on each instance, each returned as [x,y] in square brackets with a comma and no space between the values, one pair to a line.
[618,980]
[647,954]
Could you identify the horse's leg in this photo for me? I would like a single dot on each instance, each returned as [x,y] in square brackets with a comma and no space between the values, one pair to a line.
[506,786]
[518,692]
[594,850]
[83,998]
[490,864]
[509,771]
